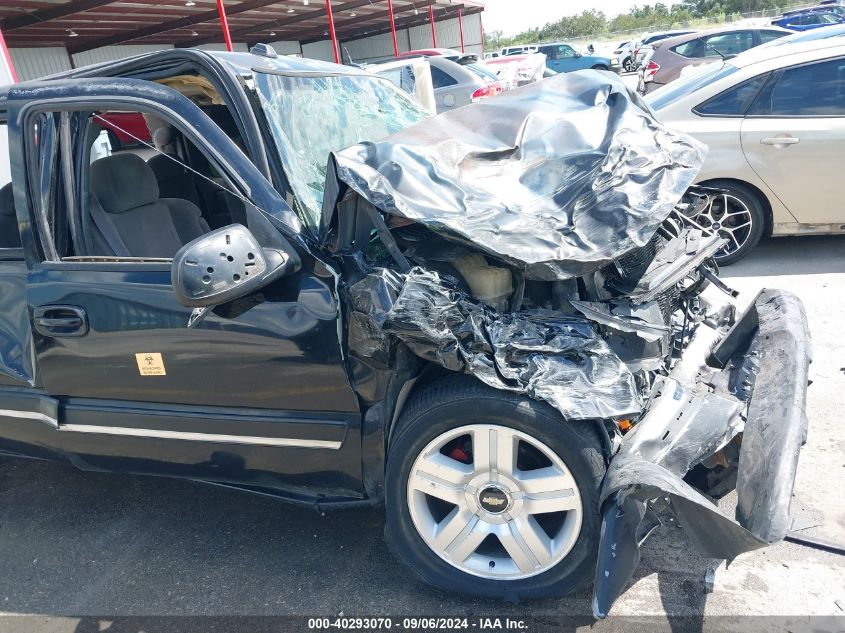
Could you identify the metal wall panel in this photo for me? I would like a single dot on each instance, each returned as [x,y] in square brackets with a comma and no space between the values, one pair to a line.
[448,34]
[31,63]
[420,37]
[319,50]
[287,47]
[376,46]
[110,53]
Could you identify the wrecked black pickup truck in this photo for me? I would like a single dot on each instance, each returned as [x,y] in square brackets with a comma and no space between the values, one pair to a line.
[504,323]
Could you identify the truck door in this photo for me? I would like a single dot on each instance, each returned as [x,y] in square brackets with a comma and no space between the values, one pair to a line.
[257,392]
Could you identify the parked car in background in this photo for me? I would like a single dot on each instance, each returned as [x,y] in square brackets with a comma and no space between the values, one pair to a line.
[448,53]
[808,20]
[457,85]
[488,74]
[412,76]
[520,49]
[518,70]
[837,30]
[838,9]
[643,46]
[671,56]
[624,52]
[492,55]
[564,58]
[774,120]
[125,129]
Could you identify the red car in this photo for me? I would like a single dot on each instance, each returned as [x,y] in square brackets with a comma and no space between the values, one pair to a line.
[125,128]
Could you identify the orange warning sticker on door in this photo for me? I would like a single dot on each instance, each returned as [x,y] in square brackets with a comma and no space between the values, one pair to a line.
[150,364]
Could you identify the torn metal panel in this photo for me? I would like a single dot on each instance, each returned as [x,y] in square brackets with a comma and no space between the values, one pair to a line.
[638,335]
[556,358]
[370,301]
[557,178]
[692,415]
[674,261]
[646,321]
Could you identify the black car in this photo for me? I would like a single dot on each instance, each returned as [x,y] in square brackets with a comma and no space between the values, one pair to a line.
[502,323]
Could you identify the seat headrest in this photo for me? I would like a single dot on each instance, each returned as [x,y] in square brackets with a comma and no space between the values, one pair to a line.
[122,182]
[163,137]
[164,167]
[7,200]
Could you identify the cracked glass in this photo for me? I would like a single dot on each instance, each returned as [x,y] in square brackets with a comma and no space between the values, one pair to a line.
[312,116]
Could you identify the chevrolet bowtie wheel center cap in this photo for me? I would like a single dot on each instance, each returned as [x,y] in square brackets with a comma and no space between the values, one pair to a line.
[493,500]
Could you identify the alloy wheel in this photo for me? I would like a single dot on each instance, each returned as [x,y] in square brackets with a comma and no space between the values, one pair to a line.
[494,502]
[731,218]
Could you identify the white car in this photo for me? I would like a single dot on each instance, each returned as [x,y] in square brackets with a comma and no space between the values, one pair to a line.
[774,121]
[522,49]
[624,52]
[643,47]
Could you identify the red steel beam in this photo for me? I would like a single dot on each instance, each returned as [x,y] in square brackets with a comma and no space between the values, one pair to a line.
[332,32]
[461,27]
[5,51]
[433,31]
[221,10]
[392,28]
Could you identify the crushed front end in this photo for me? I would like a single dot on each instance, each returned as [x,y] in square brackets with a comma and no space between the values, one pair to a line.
[546,243]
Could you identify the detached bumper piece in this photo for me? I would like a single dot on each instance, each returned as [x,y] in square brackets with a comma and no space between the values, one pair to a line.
[695,414]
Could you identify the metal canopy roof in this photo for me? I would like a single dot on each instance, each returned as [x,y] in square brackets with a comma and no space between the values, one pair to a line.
[81,25]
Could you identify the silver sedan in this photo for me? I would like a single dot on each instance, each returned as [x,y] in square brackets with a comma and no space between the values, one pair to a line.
[774,120]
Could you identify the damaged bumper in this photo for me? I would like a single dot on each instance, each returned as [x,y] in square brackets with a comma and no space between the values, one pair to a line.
[698,416]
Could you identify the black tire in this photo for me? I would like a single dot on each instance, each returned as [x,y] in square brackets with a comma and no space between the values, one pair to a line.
[752,201]
[455,401]
[628,65]
[599,67]
[115,143]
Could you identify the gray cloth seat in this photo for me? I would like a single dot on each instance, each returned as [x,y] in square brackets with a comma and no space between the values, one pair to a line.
[174,179]
[10,236]
[127,215]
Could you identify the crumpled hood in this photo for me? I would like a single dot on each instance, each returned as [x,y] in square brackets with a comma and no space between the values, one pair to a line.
[556,178]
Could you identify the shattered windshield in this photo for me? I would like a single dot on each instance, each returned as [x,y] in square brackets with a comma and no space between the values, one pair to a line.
[312,116]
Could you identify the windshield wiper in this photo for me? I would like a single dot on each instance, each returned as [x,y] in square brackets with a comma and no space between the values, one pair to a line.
[718,52]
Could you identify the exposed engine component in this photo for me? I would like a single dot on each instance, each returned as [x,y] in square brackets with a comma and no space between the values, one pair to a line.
[491,285]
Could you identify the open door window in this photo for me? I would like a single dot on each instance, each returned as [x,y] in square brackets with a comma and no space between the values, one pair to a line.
[91,199]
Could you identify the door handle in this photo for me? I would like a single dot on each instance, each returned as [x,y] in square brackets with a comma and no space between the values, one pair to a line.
[58,320]
[780,140]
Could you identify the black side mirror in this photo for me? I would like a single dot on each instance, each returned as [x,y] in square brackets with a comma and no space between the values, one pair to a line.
[226,264]
[577,55]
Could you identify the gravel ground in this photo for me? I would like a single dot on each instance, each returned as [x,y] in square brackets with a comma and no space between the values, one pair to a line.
[76,544]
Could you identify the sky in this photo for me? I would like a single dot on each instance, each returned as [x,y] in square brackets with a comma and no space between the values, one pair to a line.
[515,16]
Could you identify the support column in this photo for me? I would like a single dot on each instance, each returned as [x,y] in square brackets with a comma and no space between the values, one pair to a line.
[461,27]
[433,32]
[392,28]
[225,25]
[5,52]
[332,32]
